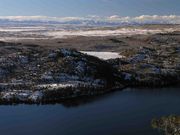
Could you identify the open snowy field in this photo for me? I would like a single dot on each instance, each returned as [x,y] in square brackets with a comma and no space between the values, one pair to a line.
[18,33]
[116,32]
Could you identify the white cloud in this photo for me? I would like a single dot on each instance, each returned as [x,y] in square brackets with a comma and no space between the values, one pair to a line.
[114,17]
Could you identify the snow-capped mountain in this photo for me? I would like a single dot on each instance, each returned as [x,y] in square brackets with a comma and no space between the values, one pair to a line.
[91,20]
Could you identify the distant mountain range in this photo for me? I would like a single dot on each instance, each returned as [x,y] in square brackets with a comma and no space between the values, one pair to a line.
[89,21]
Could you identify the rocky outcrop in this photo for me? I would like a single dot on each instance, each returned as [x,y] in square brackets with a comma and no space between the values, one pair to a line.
[152,66]
[168,125]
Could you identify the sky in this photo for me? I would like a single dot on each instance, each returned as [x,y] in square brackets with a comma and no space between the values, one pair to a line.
[81,8]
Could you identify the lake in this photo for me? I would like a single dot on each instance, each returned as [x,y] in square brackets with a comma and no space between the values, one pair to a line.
[127,112]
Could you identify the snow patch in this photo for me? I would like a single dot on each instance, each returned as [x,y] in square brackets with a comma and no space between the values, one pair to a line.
[127,76]
[103,55]
[72,84]
[37,95]
[23,95]
[103,33]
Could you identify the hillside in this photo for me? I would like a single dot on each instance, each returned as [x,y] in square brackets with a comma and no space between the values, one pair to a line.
[31,73]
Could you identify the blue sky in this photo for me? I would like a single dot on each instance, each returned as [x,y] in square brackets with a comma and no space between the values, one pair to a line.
[64,8]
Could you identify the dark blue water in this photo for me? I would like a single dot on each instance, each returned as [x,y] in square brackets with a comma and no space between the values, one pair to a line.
[120,113]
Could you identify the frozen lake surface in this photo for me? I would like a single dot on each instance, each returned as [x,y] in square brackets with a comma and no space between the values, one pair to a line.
[103,55]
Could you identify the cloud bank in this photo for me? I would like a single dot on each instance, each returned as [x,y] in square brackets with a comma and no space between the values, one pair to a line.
[93,19]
